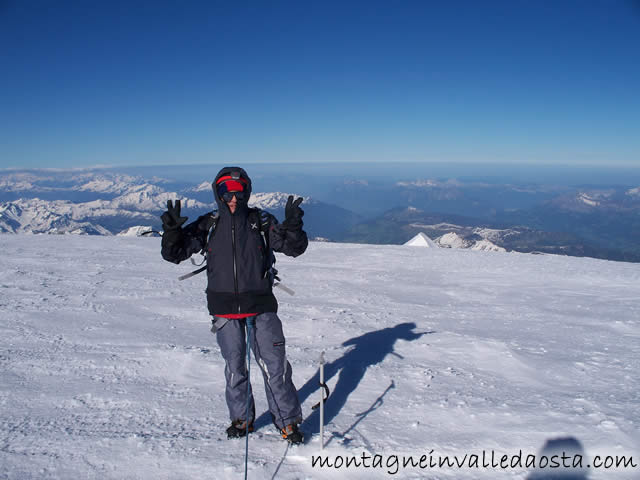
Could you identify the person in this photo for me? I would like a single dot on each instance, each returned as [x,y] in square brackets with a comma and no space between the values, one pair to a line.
[239,243]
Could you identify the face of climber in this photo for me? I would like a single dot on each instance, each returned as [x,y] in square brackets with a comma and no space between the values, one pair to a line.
[231,191]
[233,202]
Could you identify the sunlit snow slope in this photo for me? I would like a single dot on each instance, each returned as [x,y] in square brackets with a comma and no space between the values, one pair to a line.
[108,369]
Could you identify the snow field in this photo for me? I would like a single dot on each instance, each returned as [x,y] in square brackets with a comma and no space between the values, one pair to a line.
[108,368]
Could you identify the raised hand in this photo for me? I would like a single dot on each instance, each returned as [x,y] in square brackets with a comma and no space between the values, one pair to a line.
[293,214]
[171,219]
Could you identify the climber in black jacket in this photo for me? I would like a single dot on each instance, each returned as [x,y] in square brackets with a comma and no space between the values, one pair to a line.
[239,243]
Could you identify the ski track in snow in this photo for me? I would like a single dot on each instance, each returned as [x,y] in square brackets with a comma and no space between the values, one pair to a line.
[108,368]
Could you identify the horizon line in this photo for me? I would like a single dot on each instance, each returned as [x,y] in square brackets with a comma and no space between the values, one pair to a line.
[330,163]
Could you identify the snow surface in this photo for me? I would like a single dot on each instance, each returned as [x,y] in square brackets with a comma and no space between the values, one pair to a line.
[109,371]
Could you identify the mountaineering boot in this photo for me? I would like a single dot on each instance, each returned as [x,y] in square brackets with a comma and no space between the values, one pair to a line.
[238,429]
[292,435]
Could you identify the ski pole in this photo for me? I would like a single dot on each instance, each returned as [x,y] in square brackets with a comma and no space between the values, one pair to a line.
[322,402]
[250,326]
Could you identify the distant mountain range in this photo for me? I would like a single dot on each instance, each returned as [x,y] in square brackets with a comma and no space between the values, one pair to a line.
[104,203]
[602,222]
[455,231]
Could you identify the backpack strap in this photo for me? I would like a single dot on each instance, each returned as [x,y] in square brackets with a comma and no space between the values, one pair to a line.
[209,225]
[262,221]
[259,220]
[212,223]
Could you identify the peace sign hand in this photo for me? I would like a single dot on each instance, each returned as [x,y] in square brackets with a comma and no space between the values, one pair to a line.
[171,219]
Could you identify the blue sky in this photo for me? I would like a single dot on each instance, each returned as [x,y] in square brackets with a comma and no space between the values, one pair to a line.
[141,83]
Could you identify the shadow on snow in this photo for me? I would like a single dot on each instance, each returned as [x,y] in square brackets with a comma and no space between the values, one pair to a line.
[367,350]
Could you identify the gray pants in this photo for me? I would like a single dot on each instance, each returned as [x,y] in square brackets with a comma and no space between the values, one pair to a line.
[268,347]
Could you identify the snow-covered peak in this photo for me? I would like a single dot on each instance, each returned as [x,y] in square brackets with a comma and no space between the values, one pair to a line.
[419,183]
[429,183]
[18,182]
[60,216]
[453,240]
[492,234]
[421,240]
[151,198]
[588,200]
[272,201]
[135,231]
[15,186]
[595,198]
[487,246]
[485,243]
[84,228]
[118,184]
[203,187]
[634,192]
[10,210]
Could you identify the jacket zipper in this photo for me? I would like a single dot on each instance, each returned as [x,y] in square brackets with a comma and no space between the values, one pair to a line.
[235,268]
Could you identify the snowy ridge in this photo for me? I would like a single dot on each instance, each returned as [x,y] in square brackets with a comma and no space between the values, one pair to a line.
[118,184]
[587,199]
[429,183]
[109,370]
[492,234]
[453,240]
[104,200]
[602,200]
[487,246]
[485,239]
[34,215]
[37,216]
[135,231]
[16,182]
[150,198]
[419,183]
[203,187]
[141,202]
[41,216]
[273,200]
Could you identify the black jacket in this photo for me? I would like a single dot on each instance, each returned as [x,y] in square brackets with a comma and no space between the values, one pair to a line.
[236,256]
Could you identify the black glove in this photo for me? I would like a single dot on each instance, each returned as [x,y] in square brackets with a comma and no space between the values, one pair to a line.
[171,236]
[293,214]
[171,219]
[171,223]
